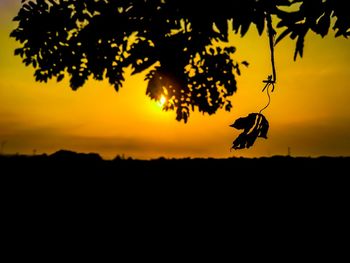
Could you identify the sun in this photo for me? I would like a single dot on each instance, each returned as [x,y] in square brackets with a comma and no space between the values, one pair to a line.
[162,101]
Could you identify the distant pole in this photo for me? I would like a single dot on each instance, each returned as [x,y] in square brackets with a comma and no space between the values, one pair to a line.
[289,152]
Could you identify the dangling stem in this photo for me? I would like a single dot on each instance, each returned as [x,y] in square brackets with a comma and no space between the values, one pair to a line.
[268,95]
[260,126]
[271,33]
[271,79]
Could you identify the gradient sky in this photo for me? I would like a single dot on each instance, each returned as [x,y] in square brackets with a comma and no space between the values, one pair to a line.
[309,111]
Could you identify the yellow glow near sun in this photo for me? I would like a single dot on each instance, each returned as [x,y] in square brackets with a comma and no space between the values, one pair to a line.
[162,101]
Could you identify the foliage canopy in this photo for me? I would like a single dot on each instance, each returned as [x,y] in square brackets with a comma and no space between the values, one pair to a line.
[172,39]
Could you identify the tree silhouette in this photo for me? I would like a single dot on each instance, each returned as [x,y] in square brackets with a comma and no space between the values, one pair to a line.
[174,40]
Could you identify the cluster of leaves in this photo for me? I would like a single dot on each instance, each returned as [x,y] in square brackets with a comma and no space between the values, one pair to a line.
[102,38]
[172,39]
[314,15]
[205,81]
[254,125]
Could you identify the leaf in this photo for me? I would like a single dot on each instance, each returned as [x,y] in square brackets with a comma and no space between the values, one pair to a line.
[245,123]
[230,49]
[60,77]
[260,22]
[245,63]
[254,125]
[244,27]
[323,25]
[238,71]
[299,48]
[223,28]
[283,35]
[228,106]
[18,51]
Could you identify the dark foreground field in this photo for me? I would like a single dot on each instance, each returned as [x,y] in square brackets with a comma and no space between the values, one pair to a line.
[220,184]
[302,199]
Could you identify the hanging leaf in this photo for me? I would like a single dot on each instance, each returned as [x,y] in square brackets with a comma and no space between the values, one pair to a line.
[254,125]
[245,123]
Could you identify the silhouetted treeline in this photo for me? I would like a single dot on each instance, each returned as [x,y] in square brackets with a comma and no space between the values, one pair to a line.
[278,172]
[71,164]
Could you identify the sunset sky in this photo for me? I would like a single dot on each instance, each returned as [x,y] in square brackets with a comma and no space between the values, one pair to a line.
[309,111]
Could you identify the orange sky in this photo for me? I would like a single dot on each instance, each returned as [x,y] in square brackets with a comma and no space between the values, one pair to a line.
[309,111]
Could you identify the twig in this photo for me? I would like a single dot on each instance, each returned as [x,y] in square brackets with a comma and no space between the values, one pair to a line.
[271,79]
[271,33]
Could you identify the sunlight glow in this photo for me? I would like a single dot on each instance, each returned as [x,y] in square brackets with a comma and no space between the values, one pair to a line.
[162,101]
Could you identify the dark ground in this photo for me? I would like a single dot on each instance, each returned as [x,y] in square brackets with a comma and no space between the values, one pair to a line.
[296,204]
[279,181]
[263,185]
